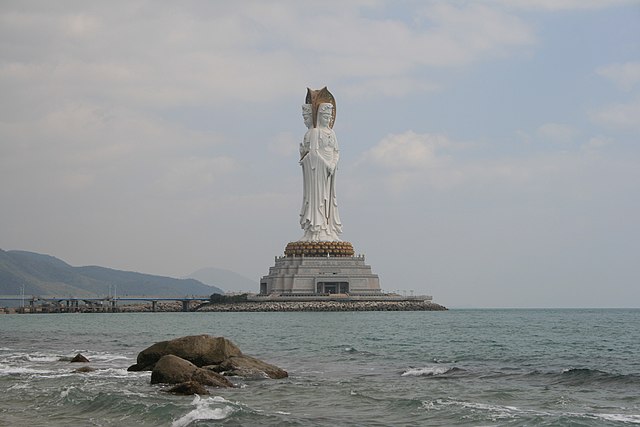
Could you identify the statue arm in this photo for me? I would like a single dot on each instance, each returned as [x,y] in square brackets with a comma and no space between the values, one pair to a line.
[304,146]
[335,154]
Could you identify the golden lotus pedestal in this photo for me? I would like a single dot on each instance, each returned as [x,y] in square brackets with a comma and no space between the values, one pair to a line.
[319,249]
[320,268]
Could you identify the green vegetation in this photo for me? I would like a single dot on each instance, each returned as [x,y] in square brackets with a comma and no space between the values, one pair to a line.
[221,299]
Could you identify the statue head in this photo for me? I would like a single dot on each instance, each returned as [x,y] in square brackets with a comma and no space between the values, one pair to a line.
[325,114]
[317,97]
[307,115]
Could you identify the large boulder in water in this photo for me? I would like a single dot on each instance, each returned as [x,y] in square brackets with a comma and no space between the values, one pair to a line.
[200,350]
[172,369]
[217,354]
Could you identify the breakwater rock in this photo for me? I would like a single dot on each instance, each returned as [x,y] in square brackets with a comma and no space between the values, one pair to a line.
[404,305]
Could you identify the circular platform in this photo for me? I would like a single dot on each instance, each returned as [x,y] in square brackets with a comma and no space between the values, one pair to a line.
[319,249]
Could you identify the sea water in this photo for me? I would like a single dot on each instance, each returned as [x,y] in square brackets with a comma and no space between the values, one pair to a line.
[460,367]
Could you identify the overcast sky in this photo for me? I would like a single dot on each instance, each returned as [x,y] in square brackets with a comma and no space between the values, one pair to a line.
[490,150]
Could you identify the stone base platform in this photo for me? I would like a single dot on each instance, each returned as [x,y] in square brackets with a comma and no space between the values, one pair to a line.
[317,268]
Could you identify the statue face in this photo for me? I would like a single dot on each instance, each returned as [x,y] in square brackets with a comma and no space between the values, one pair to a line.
[307,119]
[325,115]
[306,115]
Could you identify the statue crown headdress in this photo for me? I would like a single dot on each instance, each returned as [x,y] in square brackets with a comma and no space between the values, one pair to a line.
[317,97]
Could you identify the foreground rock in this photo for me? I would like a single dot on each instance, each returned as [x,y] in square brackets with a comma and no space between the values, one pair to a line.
[172,369]
[188,388]
[248,367]
[216,354]
[79,358]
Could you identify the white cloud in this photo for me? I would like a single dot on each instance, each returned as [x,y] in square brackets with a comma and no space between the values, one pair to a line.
[408,150]
[619,116]
[558,5]
[557,132]
[411,162]
[246,52]
[82,145]
[625,75]
[597,143]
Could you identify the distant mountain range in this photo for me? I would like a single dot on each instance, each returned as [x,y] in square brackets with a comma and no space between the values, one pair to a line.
[228,280]
[46,275]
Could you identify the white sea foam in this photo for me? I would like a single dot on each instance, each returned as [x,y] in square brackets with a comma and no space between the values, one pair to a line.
[505,411]
[496,411]
[426,371]
[108,357]
[203,411]
[115,373]
[20,370]
[632,419]
[41,358]
[64,393]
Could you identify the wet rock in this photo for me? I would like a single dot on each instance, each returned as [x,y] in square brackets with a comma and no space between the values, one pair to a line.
[248,367]
[85,369]
[79,358]
[217,354]
[172,369]
[200,350]
[188,388]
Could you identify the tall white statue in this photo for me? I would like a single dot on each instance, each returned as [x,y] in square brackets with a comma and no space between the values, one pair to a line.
[319,156]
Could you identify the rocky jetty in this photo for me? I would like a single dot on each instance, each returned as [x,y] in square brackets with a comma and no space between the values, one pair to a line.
[402,305]
[203,359]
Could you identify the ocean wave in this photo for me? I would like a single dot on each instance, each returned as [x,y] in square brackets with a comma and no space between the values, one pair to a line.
[620,418]
[355,351]
[116,373]
[64,393]
[28,357]
[436,360]
[21,370]
[108,358]
[204,411]
[586,376]
[495,412]
[429,371]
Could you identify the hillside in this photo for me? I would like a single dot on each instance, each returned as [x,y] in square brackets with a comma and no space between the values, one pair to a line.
[47,275]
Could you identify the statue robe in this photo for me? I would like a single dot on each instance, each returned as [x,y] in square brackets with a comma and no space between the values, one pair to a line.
[319,216]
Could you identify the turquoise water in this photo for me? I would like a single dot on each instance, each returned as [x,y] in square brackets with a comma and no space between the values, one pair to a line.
[460,367]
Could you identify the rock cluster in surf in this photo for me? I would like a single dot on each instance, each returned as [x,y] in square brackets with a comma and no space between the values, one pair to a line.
[200,359]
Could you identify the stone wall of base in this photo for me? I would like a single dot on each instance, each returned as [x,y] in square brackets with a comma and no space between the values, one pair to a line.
[310,275]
